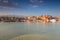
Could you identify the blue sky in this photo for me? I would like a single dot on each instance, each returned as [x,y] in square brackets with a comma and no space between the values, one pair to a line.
[30,7]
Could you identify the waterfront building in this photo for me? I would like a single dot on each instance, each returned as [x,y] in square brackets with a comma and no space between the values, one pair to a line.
[53,20]
[31,18]
[45,18]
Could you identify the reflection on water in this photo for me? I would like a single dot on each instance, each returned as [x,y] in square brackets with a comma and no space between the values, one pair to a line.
[11,30]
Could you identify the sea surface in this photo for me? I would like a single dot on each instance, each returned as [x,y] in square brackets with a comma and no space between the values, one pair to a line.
[14,29]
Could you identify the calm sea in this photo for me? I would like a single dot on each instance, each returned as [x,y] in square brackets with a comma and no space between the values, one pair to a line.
[10,30]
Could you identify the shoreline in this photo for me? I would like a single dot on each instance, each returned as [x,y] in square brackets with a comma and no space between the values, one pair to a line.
[30,37]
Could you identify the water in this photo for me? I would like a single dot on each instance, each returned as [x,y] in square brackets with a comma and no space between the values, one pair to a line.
[11,30]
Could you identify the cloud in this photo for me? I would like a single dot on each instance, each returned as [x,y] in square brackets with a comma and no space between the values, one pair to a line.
[31,1]
[0,0]
[41,1]
[6,3]
[38,1]
[35,6]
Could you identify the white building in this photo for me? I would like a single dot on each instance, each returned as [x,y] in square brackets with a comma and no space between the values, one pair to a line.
[53,20]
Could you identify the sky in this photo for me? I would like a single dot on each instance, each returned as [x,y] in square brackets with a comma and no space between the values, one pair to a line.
[30,7]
